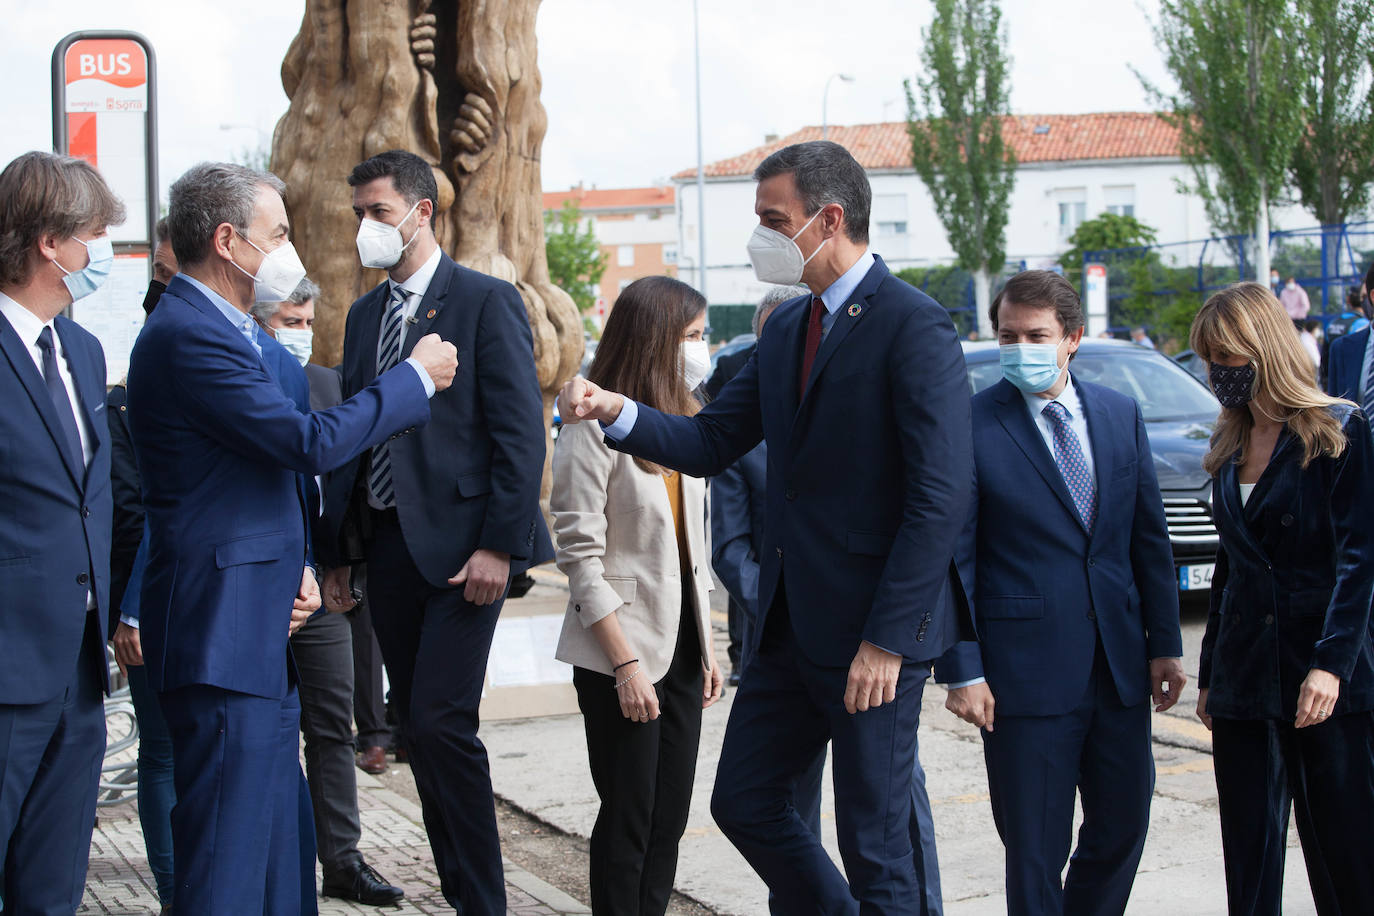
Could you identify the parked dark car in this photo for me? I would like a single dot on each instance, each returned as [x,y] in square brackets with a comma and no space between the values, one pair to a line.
[1179,413]
[1196,365]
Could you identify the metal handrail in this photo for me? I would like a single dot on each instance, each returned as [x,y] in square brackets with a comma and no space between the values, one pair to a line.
[118,778]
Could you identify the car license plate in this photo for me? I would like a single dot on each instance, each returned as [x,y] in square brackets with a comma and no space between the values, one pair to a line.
[1196,576]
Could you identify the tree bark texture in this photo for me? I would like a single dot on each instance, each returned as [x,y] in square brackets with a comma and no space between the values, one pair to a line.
[457,83]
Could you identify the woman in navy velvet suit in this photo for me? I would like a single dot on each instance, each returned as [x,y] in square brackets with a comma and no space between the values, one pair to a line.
[1287,670]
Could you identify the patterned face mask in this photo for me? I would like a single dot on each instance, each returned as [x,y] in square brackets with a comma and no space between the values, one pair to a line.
[1233,385]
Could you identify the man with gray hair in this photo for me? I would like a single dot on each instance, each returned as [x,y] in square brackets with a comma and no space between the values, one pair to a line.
[228,577]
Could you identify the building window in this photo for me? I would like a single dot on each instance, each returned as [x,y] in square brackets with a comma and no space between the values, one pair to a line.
[1119,199]
[669,254]
[889,216]
[894,227]
[1073,209]
[625,256]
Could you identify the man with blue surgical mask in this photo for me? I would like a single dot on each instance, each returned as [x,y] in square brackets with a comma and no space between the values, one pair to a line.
[1066,561]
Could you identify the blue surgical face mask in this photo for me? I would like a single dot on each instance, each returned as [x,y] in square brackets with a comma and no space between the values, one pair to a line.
[1031,367]
[100,258]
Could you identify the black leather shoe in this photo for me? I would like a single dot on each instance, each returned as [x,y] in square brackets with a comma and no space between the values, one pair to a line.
[363,885]
[733,679]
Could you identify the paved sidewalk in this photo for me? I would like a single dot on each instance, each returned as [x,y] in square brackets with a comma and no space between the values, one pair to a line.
[393,842]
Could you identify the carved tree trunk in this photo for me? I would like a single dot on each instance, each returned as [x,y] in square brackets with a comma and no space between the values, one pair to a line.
[458,84]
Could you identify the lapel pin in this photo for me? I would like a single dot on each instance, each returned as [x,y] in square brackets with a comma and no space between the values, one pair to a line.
[855,309]
[430,314]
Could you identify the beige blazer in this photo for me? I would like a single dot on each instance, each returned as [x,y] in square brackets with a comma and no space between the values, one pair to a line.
[616,541]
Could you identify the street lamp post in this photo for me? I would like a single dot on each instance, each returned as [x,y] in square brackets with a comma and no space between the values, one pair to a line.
[825,100]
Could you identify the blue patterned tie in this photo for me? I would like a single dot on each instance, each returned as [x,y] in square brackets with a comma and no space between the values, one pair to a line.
[61,401]
[389,354]
[1068,454]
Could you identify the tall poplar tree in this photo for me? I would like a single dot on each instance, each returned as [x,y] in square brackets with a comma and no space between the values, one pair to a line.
[954,117]
[1238,106]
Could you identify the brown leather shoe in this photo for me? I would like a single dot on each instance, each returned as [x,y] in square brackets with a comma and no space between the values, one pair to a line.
[373,760]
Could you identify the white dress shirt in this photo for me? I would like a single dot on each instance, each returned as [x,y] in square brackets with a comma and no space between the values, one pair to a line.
[28,326]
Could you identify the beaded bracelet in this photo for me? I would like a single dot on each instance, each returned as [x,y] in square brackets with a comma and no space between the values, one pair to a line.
[623,664]
[627,680]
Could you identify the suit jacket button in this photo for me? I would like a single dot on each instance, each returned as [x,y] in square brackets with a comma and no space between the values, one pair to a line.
[1286,521]
[577,608]
[790,495]
[1091,561]
[1268,619]
[85,511]
[779,553]
[1092,615]
[82,578]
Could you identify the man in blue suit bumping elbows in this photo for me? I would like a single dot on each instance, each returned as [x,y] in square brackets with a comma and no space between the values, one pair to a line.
[861,395]
[219,445]
[1067,563]
[55,529]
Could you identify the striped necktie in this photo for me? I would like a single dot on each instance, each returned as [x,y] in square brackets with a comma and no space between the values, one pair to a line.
[1366,392]
[1068,454]
[388,355]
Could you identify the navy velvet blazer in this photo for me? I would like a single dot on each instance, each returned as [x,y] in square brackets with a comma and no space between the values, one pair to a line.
[1343,365]
[471,478]
[1294,580]
[220,445]
[1043,588]
[56,517]
[868,470]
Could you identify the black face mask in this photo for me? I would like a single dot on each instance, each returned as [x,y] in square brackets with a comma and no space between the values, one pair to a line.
[155,290]
[1233,385]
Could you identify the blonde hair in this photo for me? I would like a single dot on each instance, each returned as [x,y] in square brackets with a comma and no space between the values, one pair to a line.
[1247,320]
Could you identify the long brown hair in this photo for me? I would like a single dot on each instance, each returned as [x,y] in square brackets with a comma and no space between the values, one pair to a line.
[640,354]
[1246,320]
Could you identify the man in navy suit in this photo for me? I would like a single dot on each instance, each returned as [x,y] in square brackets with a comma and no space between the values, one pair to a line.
[1347,363]
[862,398]
[220,446]
[1067,562]
[447,515]
[55,530]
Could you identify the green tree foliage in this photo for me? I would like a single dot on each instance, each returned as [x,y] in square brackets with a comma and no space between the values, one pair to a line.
[1238,107]
[1107,231]
[575,259]
[947,285]
[954,117]
[1333,161]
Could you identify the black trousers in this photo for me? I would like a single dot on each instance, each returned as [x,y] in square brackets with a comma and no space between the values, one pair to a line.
[1325,772]
[369,699]
[435,645]
[324,657]
[643,773]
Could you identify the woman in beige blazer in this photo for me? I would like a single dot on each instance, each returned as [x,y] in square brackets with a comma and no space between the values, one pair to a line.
[631,537]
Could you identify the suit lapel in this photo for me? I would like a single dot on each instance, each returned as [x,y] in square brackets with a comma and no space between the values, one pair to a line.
[431,305]
[1016,420]
[371,329]
[18,354]
[849,314]
[1228,488]
[90,391]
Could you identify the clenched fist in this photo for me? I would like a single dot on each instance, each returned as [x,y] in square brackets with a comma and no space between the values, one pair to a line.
[584,400]
[438,357]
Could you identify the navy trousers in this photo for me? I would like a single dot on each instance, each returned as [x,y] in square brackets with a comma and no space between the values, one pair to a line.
[1036,765]
[435,645]
[50,757]
[1265,769]
[236,828]
[784,713]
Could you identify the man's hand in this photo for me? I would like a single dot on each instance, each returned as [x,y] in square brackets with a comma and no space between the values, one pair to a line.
[1317,697]
[307,601]
[872,678]
[1202,713]
[973,704]
[712,685]
[485,573]
[338,596]
[128,651]
[438,357]
[582,400]
[1166,681]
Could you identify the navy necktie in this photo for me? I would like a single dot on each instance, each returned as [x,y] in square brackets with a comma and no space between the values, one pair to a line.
[60,400]
[1068,454]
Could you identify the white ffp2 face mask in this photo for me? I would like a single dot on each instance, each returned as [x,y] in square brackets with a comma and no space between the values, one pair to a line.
[696,362]
[299,342]
[380,244]
[777,258]
[280,272]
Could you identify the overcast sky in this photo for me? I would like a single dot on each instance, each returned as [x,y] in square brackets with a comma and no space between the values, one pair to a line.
[618,74]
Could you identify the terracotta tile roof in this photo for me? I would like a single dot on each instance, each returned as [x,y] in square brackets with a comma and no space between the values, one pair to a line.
[1034,138]
[611,198]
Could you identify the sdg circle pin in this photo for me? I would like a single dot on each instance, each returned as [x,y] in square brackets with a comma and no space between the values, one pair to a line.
[854,310]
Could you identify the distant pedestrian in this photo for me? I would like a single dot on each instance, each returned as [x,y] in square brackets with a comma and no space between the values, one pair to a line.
[1275,283]
[1286,675]
[1139,336]
[1307,335]
[1294,299]
[631,537]
[1349,354]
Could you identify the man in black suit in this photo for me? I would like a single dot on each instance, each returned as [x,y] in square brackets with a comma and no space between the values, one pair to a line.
[447,513]
[324,655]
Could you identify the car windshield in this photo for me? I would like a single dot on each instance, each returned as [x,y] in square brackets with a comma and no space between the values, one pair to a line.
[1163,389]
